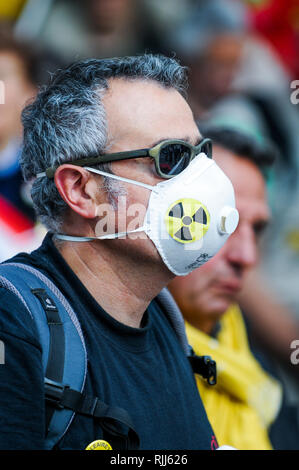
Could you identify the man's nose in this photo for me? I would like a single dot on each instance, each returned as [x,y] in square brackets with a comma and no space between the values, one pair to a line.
[242,248]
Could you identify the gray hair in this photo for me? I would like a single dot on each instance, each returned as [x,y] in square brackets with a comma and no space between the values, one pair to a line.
[67,120]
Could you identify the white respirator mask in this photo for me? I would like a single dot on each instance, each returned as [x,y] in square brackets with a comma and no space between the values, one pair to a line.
[188,218]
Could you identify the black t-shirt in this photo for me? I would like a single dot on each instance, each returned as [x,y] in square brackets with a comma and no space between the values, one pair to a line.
[142,370]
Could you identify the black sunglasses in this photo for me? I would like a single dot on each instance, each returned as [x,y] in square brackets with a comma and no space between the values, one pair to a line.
[171,157]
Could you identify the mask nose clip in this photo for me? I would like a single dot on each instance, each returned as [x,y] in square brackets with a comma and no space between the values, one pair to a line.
[229,219]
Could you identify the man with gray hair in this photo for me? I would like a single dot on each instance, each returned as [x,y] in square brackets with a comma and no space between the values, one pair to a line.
[105,139]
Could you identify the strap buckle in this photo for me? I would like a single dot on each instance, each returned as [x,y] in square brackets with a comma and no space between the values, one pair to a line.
[205,366]
[54,392]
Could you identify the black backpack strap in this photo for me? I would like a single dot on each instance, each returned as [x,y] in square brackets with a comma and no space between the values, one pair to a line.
[60,396]
[55,363]
[56,354]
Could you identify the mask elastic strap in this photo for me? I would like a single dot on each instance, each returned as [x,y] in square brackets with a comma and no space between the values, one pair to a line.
[70,238]
[103,173]
[111,236]
[121,178]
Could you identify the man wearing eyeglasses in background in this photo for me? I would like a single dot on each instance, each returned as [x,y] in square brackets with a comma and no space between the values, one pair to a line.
[126,118]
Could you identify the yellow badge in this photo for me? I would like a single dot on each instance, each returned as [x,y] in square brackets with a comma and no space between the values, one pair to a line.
[187,220]
[99,445]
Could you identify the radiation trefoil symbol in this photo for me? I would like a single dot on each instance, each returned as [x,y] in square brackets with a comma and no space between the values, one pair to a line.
[187,220]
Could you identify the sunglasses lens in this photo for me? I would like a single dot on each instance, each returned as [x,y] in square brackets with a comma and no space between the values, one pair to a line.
[174,158]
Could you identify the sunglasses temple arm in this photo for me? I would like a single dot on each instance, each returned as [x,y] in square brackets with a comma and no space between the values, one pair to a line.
[50,172]
[122,156]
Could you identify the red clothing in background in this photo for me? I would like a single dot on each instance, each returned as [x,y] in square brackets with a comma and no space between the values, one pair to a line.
[278,22]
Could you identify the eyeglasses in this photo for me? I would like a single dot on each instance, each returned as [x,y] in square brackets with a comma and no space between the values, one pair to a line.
[171,157]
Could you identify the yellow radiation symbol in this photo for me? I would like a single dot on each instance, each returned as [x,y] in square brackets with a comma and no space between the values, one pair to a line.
[187,220]
[99,445]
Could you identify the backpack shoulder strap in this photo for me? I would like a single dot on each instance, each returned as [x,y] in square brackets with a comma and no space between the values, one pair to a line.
[57,325]
[175,317]
[203,365]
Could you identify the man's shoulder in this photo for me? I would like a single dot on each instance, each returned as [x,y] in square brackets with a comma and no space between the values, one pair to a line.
[15,319]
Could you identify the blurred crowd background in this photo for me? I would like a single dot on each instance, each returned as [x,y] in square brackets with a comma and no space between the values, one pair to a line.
[243,57]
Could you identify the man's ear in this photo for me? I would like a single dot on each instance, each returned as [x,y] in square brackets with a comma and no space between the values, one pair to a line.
[78,188]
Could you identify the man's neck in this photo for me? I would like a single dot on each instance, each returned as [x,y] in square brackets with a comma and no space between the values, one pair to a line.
[123,286]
